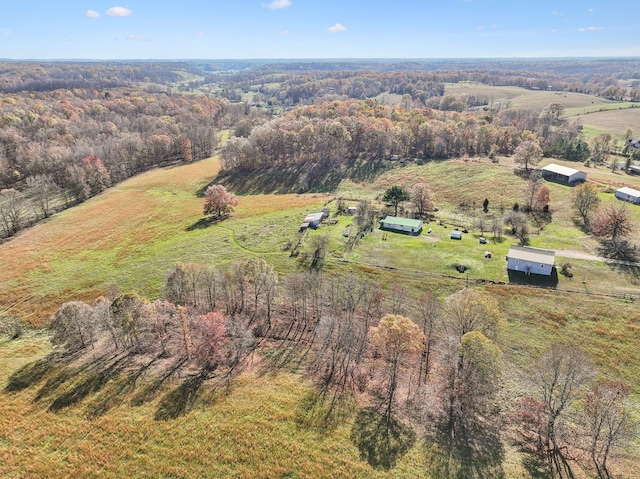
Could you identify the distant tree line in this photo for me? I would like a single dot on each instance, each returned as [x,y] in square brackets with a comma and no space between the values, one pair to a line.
[336,133]
[35,76]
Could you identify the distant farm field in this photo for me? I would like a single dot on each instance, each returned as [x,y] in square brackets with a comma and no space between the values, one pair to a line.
[614,122]
[516,97]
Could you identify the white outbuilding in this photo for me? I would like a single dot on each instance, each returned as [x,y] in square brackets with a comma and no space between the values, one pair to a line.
[531,260]
[628,194]
[563,174]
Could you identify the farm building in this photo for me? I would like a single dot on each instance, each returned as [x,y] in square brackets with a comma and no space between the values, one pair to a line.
[531,260]
[628,194]
[563,174]
[634,169]
[456,234]
[312,221]
[406,225]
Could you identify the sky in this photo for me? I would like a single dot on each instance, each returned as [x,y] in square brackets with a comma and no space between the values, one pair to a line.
[290,29]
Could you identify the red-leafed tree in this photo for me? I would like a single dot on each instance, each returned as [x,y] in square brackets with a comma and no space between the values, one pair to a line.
[209,338]
[612,222]
[219,201]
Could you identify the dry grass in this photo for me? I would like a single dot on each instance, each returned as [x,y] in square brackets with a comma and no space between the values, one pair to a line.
[130,235]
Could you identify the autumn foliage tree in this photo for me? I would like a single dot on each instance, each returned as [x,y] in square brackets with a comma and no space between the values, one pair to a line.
[209,340]
[219,201]
[585,200]
[528,153]
[396,338]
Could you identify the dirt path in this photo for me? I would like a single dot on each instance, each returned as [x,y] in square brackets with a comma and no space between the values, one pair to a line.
[567,253]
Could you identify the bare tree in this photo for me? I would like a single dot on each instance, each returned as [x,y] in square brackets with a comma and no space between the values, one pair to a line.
[422,198]
[608,420]
[612,221]
[13,208]
[560,377]
[429,316]
[73,326]
[44,191]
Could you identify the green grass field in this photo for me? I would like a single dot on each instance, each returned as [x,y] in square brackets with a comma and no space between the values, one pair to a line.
[130,235]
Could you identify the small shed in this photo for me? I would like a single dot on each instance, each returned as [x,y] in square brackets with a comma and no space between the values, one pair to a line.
[405,225]
[628,194]
[456,234]
[563,174]
[531,260]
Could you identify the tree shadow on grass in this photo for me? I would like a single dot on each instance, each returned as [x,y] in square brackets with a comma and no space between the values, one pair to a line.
[150,391]
[92,382]
[204,223]
[381,439]
[113,394]
[181,400]
[33,373]
[473,450]
[533,459]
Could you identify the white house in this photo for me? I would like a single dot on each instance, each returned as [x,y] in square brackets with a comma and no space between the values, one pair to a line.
[562,174]
[628,194]
[406,225]
[531,260]
[456,234]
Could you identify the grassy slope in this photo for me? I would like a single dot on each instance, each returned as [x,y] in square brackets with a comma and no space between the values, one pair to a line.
[253,432]
[138,230]
[132,234]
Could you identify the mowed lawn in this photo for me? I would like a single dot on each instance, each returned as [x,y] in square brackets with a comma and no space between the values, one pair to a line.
[130,235]
[460,188]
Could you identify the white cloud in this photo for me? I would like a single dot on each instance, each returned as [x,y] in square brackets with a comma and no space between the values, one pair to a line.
[590,29]
[119,12]
[555,30]
[137,38]
[199,34]
[5,32]
[91,14]
[590,10]
[283,33]
[336,28]
[277,4]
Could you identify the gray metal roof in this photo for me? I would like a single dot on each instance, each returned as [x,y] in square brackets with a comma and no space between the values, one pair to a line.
[561,170]
[535,255]
[629,191]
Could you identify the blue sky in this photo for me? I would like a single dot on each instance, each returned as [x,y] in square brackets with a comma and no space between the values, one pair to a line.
[241,29]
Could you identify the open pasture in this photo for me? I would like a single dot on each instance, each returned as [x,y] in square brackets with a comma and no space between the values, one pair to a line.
[132,234]
[522,98]
[614,122]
